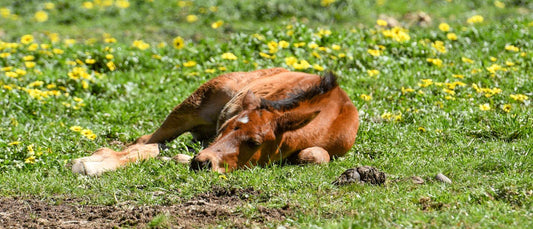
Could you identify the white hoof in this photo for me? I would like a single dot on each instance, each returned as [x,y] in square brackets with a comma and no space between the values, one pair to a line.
[182,158]
[95,164]
[93,168]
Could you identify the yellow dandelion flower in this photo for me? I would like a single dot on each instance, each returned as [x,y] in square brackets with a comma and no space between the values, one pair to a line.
[69,42]
[37,83]
[458,76]
[49,5]
[90,61]
[191,18]
[11,74]
[58,51]
[122,4]
[451,36]
[6,69]
[467,60]
[519,97]
[381,22]
[484,107]
[190,63]
[86,132]
[258,36]
[29,64]
[374,52]
[422,129]
[302,64]
[365,97]
[178,43]
[299,44]
[387,116]
[372,72]
[315,54]
[507,107]
[290,60]
[30,160]
[318,67]
[84,84]
[26,39]
[444,27]
[28,58]
[435,61]
[439,46]
[111,66]
[272,46]
[110,40]
[336,47]
[140,44]
[33,47]
[217,24]
[313,45]
[20,72]
[264,55]
[5,55]
[397,33]
[425,83]
[448,91]
[494,68]
[499,4]
[326,3]
[5,12]
[76,128]
[40,16]
[283,44]
[512,48]
[229,56]
[14,143]
[91,136]
[87,5]
[475,19]
[407,90]
[54,37]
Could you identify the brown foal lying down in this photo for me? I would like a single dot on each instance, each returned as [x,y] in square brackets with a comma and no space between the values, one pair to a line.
[250,118]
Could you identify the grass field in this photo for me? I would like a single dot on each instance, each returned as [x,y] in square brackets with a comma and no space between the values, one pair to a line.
[451,95]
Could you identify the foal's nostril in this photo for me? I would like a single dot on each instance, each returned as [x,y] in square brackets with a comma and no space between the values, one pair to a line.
[200,165]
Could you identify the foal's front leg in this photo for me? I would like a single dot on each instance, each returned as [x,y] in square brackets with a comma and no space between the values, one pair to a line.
[106,159]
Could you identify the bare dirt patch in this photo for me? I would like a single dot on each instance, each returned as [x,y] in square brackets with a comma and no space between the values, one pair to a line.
[208,209]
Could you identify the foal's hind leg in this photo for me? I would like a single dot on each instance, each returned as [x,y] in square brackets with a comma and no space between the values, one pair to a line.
[311,155]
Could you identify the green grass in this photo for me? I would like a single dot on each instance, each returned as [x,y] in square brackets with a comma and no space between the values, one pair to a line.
[487,154]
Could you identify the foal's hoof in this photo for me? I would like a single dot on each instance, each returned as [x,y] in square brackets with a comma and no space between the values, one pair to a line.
[95,164]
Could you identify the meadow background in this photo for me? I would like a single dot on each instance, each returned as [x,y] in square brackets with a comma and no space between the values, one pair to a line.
[442,86]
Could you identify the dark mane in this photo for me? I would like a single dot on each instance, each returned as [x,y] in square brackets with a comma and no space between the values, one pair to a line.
[327,83]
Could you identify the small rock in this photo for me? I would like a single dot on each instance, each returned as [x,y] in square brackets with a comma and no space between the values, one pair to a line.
[371,175]
[365,174]
[440,177]
[417,180]
[348,177]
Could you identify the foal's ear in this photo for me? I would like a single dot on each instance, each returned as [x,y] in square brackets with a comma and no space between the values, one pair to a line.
[294,120]
[250,101]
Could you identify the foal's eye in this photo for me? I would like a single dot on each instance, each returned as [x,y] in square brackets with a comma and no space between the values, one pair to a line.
[253,143]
